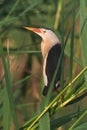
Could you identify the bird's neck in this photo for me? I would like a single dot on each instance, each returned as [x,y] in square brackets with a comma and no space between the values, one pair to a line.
[45,48]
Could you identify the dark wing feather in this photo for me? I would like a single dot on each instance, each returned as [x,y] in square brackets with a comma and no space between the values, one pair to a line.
[51,64]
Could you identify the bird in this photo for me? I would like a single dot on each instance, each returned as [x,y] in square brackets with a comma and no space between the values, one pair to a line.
[51,51]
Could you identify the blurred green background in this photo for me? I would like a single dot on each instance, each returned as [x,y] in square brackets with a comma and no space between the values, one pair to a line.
[23,56]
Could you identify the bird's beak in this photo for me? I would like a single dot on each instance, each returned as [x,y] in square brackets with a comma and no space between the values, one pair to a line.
[36,30]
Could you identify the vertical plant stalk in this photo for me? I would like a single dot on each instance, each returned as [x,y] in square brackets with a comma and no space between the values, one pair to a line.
[72,40]
[58,13]
[63,44]
[8,87]
[83,30]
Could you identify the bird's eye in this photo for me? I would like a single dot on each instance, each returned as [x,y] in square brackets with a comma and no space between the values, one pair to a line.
[44,31]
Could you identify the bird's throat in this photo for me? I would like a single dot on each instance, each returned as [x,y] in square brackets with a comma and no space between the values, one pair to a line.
[45,48]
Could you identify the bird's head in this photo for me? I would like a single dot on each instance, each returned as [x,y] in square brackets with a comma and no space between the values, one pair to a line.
[45,34]
[49,38]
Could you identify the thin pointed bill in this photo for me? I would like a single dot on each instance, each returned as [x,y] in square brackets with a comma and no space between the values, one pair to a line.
[36,30]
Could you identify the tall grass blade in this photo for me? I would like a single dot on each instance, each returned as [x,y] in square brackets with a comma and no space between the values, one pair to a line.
[83,29]
[78,120]
[9,86]
[6,111]
[72,39]
[44,122]
[82,126]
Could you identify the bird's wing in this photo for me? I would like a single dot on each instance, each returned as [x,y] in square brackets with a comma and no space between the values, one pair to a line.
[50,67]
[51,63]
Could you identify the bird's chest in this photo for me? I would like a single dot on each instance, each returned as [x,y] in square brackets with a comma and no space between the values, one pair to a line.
[45,47]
